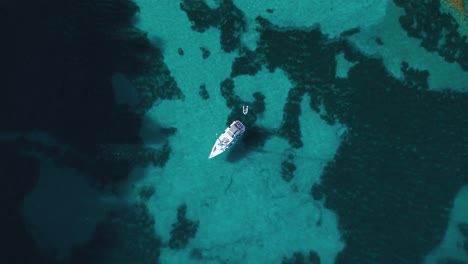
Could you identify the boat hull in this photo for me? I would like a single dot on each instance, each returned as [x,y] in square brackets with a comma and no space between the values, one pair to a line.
[228,138]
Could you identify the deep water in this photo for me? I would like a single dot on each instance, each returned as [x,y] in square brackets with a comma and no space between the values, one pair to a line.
[342,161]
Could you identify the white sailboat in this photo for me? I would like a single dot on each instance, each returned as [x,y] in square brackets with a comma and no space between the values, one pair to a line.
[227,138]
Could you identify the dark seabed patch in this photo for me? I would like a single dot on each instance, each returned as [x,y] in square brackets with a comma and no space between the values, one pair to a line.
[203,92]
[183,230]
[399,168]
[58,59]
[394,177]
[20,172]
[301,258]
[126,235]
[396,174]
[227,18]
[437,31]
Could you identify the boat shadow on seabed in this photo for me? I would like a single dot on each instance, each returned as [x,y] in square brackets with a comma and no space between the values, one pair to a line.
[253,139]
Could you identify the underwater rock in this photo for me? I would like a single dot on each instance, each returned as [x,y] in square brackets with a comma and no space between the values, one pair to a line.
[232,25]
[290,127]
[203,92]
[259,103]
[200,14]
[385,172]
[379,41]
[316,192]
[385,164]
[183,230]
[205,52]
[156,83]
[287,168]
[294,51]
[227,17]
[351,54]
[246,64]
[227,92]
[314,258]
[180,51]
[437,31]
[415,79]
[350,32]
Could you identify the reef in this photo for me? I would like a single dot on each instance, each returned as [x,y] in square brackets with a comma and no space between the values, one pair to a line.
[109,24]
[437,31]
[180,51]
[227,91]
[183,230]
[227,17]
[247,63]
[232,25]
[402,143]
[288,168]
[414,78]
[205,53]
[395,160]
[200,14]
[350,32]
[290,128]
[156,83]
[316,192]
[308,59]
[126,235]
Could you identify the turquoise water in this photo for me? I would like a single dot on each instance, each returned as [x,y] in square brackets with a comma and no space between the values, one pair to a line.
[247,213]
[355,147]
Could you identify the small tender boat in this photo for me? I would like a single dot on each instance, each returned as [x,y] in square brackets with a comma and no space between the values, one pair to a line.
[227,138]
